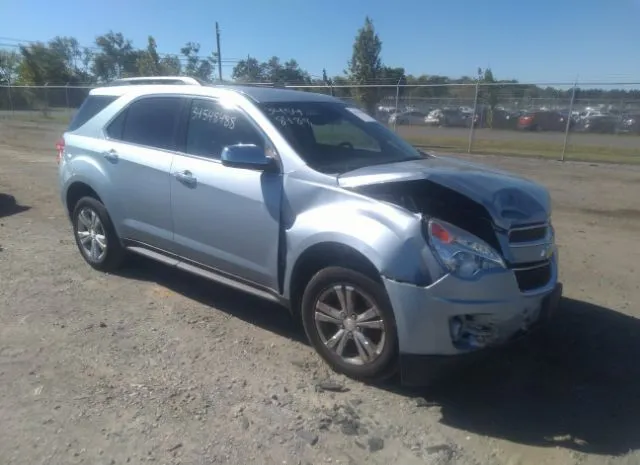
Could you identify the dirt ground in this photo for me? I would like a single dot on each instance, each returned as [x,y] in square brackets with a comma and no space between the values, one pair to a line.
[152,365]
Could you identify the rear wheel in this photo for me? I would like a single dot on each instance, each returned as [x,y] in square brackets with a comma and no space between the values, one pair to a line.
[349,321]
[95,235]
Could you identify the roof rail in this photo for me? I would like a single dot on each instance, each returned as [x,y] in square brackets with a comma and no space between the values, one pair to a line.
[147,80]
[255,84]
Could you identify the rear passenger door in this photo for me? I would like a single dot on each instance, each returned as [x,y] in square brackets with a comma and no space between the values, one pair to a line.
[141,142]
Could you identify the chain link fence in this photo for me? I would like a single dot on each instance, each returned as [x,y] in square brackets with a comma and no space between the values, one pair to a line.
[41,103]
[552,121]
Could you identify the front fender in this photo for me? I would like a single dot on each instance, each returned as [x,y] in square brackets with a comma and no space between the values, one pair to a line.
[390,239]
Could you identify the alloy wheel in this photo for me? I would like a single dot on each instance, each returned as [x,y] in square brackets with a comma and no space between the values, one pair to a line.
[91,235]
[350,324]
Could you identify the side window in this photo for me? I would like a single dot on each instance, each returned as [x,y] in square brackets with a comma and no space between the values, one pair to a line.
[150,121]
[342,131]
[116,127]
[212,127]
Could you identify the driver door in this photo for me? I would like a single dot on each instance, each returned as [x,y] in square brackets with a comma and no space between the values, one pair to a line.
[224,218]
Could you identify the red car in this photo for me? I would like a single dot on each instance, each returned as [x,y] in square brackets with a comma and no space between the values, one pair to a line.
[542,121]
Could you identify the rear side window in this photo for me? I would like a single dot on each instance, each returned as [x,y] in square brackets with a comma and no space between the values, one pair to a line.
[150,121]
[92,105]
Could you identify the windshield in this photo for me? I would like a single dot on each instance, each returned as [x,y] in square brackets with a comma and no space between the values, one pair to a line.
[334,138]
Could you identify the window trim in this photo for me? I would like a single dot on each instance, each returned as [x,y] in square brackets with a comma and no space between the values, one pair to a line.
[177,135]
[242,111]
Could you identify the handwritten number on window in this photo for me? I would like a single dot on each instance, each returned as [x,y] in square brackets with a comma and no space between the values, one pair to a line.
[213,117]
[286,116]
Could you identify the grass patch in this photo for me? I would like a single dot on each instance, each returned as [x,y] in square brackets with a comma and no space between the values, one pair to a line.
[53,117]
[527,148]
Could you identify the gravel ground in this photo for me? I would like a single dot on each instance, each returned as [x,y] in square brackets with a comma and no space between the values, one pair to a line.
[152,365]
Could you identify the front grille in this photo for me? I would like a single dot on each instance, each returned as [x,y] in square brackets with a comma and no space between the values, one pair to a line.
[536,233]
[533,278]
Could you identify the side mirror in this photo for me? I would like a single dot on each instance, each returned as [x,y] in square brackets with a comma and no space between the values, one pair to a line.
[246,156]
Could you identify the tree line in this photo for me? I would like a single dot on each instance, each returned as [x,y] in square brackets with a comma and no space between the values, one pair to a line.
[63,61]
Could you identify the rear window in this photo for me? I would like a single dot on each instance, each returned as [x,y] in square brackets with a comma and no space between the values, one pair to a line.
[93,105]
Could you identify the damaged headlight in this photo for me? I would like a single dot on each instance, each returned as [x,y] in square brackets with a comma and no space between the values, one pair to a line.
[461,252]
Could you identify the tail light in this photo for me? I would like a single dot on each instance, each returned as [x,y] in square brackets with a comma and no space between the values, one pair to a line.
[60,148]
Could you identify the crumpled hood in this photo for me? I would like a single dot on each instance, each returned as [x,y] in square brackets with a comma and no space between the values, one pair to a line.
[508,198]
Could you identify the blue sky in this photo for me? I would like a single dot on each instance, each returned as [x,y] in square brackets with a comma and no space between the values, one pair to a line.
[539,40]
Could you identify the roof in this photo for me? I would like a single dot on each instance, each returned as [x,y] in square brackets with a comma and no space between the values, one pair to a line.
[271,95]
[258,94]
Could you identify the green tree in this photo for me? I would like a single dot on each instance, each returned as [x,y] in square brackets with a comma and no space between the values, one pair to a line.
[116,58]
[170,65]
[287,73]
[365,66]
[196,66]
[249,70]
[391,76]
[9,65]
[41,64]
[491,91]
[150,64]
[272,71]
[77,59]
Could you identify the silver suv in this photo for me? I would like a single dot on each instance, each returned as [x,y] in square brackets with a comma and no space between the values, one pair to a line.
[395,260]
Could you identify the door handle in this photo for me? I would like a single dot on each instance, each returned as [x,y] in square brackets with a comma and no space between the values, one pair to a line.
[110,155]
[186,177]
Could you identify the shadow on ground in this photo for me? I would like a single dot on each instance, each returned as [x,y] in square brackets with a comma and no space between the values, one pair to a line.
[259,312]
[575,385]
[9,206]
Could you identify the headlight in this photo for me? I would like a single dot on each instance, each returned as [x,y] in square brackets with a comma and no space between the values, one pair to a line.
[461,252]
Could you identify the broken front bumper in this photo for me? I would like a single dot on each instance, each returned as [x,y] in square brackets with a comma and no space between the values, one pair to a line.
[491,310]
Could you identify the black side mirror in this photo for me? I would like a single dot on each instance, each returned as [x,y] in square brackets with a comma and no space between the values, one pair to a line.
[247,156]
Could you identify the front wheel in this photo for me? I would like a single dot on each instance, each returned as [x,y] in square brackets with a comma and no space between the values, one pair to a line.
[349,321]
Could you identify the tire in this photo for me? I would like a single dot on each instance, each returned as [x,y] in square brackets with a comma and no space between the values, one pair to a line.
[87,233]
[381,360]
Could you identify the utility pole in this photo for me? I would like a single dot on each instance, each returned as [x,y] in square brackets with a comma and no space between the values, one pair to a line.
[219,54]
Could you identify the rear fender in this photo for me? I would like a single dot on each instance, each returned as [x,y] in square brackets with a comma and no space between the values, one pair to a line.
[87,170]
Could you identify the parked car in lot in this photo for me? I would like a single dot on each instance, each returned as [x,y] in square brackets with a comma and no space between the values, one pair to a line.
[393,258]
[448,118]
[413,117]
[630,124]
[601,123]
[543,121]
[503,119]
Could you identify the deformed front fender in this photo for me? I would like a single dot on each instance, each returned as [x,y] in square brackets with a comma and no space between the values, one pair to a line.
[389,237]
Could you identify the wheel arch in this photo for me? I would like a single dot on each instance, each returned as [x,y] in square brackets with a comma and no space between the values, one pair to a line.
[322,255]
[76,190]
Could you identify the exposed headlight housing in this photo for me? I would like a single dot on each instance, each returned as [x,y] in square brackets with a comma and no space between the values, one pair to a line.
[459,251]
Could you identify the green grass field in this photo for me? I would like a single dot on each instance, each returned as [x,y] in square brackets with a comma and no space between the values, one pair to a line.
[527,148]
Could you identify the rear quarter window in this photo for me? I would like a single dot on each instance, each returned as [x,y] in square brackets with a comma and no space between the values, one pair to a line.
[92,105]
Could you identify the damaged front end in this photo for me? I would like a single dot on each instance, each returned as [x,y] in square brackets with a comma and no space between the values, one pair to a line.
[467,237]
[492,236]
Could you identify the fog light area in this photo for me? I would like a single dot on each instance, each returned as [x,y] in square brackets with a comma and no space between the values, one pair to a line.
[472,331]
